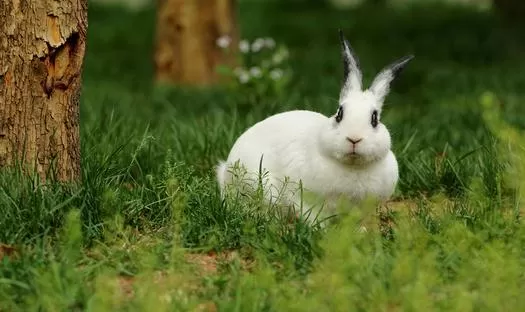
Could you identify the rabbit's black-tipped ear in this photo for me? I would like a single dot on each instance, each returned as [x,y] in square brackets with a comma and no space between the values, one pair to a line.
[352,72]
[381,84]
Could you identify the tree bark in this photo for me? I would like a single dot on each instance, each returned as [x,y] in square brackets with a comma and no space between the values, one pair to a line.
[42,46]
[187,32]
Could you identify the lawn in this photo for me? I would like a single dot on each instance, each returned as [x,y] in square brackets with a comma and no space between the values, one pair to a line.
[147,230]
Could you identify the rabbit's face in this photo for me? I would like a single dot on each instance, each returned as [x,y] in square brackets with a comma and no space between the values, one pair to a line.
[354,134]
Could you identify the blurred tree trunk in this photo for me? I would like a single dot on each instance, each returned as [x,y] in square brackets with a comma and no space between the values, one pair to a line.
[511,10]
[42,50]
[186,40]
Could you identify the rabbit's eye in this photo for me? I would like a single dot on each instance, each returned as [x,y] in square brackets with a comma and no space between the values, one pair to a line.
[374,120]
[339,115]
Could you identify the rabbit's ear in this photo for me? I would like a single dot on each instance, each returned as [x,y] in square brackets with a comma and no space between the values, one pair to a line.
[381,84]
[352,72]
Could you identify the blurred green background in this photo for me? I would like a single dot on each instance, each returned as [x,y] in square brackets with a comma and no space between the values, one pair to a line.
[149,196]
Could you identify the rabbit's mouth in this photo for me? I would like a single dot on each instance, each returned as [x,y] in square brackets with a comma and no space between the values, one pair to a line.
[355,158]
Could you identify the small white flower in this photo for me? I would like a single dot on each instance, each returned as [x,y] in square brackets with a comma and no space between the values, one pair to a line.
[244,77]
[269,43]
[244,46]
[276,74]
[223,41]
[257,45]
[277,58]
[256,72]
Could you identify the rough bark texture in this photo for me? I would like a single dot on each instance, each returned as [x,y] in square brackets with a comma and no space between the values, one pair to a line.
[187,31]
[42,45]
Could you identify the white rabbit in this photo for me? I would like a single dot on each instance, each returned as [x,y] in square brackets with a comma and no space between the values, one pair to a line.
[347,155]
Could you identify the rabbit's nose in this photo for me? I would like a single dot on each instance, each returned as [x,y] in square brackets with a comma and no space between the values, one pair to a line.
[353,140]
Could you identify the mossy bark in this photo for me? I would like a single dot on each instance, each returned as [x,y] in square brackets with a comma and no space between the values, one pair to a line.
[187,32]
[42,46]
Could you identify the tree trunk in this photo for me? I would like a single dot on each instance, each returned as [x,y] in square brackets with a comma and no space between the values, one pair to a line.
[186,43]
[42,47]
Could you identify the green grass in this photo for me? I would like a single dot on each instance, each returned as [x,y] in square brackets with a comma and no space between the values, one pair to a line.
[452,241]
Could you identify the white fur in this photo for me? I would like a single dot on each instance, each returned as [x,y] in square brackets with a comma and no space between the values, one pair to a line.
[308,147]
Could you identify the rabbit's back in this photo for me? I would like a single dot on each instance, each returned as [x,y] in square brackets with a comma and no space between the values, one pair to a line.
[278,139]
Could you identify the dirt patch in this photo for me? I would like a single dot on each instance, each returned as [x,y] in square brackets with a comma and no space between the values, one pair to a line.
[209,263]
[126,286]
[8,251]
[206,307]
[204,264]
